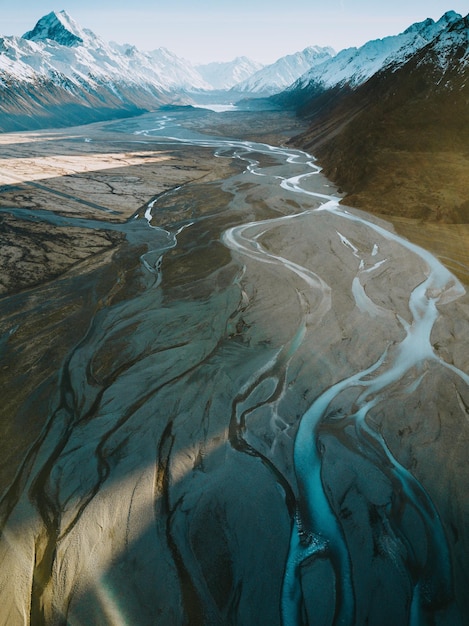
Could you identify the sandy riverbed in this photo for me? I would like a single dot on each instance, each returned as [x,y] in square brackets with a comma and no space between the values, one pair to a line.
[155,427]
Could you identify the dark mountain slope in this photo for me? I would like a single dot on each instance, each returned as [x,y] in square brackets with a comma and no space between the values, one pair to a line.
[43,103]
[398,144]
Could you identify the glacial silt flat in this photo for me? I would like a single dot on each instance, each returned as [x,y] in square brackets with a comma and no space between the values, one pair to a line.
[228,397]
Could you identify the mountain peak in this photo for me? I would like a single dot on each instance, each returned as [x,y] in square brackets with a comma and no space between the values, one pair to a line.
[60,27]
[449,17]
[428,25]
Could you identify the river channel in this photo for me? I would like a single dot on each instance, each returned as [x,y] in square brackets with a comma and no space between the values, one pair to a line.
[269,425]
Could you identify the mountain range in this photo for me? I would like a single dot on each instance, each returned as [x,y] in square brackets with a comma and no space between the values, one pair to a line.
[59,73]
[353,66]
[227,75]
[383,117]
[395,138]
[278,76]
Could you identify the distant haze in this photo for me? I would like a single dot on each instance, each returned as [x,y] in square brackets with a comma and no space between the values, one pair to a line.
[219,30]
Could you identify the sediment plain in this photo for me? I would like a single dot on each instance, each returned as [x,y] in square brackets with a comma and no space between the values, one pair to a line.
[227,397]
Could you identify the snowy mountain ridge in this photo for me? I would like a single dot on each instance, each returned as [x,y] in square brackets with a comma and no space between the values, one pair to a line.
[59,72]
[61,28]
[58,44]
[228,74]
[279,75]
[353,66]
[442,50]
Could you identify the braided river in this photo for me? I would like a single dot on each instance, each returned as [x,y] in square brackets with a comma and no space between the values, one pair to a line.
[270,427]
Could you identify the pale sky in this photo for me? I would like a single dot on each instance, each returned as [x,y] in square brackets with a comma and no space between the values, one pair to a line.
[210,30]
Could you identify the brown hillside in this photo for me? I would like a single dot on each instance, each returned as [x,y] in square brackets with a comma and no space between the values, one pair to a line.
[399,146]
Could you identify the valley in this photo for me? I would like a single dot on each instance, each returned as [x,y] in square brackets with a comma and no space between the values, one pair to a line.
[234,329]
[199,389]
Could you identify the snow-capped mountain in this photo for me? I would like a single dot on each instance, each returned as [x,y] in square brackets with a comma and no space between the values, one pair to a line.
[59,69]
[354,66]
[61,28]
[449,51]
[173,72]
[226,75]
[397,141]
[277,76]
[72,50]
[60,73]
